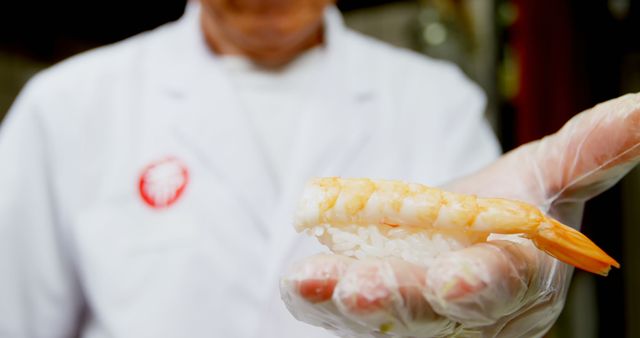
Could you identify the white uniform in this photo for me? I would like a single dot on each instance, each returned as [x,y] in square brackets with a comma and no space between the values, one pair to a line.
[94,239]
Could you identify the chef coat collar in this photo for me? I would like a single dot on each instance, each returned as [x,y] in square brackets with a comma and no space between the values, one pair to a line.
[190,46]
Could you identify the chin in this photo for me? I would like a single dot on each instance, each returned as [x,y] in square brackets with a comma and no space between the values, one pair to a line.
[272,60]
[278,52]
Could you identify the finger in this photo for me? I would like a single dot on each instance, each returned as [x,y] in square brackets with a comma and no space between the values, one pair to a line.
[535,317]
[306,290]
[315,278]
[478,285]
[387,295]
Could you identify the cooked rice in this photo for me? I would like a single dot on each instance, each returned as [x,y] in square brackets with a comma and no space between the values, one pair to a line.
[411,244]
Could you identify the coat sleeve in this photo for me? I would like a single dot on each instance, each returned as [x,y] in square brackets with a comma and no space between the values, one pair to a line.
[39,291]
[469,141]
[450,135]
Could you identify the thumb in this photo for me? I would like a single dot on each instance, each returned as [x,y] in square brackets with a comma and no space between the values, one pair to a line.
[593,150]
[588,155]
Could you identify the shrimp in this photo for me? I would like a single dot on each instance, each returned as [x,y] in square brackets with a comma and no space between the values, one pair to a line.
[342,203]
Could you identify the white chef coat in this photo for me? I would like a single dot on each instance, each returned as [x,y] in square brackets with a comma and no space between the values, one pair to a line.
[79,247]
[275,100]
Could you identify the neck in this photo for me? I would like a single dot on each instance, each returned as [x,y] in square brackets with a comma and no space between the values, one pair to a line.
[221,43]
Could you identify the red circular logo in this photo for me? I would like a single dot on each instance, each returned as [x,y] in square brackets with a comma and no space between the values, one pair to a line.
[163,182]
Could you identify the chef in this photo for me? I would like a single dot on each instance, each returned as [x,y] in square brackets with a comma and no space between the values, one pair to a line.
[147,187]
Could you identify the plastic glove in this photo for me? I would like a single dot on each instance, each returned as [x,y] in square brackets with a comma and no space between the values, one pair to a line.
[502,288]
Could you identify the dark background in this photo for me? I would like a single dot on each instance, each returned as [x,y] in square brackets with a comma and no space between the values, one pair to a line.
[53,30]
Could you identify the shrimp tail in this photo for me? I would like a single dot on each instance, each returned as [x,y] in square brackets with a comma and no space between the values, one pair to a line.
[572,247]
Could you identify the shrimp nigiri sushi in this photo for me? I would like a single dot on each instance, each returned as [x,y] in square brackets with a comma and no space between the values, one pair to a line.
[380,218]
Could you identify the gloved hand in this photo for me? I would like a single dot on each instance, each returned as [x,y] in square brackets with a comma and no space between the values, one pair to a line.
[505,287]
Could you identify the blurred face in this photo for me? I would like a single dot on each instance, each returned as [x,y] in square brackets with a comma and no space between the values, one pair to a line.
[267,31]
